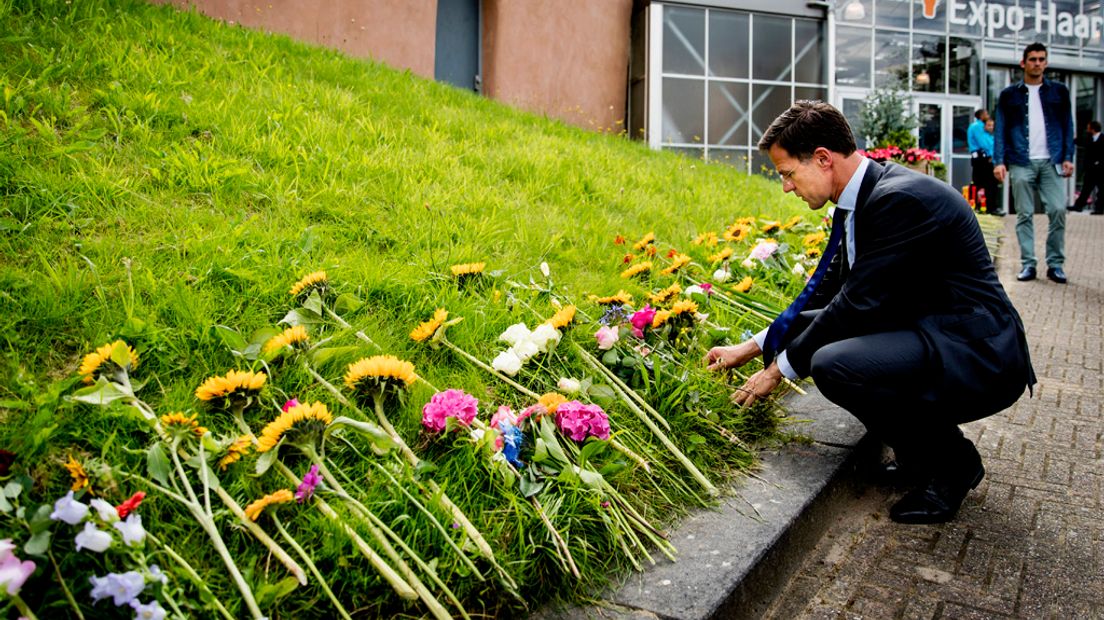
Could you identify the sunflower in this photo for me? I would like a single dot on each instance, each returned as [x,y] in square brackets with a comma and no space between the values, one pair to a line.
[812,252]
[236,384]
[724,254]
[77,473]
[179,422]
[683,306]
[813,239]
[744,221]
[236,450]
[304,421]
[254,510]
[678,262]
[708,239]
[771,227]
[426,330]
[621,298]
[310,282]
[644,242]
[660,318]
[467,269]
[790,223]
[737,232]
[637,270]
[289,338]
[379,374]
[551,401]
[91,364]
[666,294]
[743,285]
[563,317]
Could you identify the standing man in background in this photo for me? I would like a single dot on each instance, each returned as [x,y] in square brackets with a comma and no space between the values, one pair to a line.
[1094,172]
[1034,146]
[980,143]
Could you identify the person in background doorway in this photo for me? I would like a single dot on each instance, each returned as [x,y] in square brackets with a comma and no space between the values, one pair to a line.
[980,143]
[1033,144]
[1094,172]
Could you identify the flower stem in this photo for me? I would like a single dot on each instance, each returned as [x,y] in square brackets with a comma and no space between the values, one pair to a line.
[64,587]
[192,574]
[310,566]
[625,390]
[265,539]
[471,358]
[623,449]
[343,323]
[24,610]
[565,552]
[694,471]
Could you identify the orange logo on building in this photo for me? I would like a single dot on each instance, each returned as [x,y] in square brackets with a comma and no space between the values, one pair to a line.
[929,9]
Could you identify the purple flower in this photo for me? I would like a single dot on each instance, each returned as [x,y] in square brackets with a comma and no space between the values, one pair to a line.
[123,588]
[306,488]
[148,611]
[449,404]
[579,421]
[13,572]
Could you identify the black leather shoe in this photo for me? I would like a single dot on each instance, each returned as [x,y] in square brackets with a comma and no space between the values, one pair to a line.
[937,502]
[1056,274]
[1028,273]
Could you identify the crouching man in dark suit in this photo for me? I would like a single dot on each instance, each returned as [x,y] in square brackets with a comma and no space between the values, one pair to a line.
[903,324]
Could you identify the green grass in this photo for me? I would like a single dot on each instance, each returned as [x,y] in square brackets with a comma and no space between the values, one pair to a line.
[162,174]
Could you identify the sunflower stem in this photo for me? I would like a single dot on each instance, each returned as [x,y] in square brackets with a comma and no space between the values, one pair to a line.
[260,534]
[310,566]
[192,574]
[624,390]
[343,323]
[623,449]
[471,358]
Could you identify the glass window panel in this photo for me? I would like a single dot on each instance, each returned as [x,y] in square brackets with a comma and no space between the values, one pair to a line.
[930,15]
[964,70]
[892,13]
[767,102]
[683,40]
[811,93]
[772,53]
[960,172]
[728,44]
[687,151]
[852,108]
[891,59]
[728,113]
[995,81]
[1064,57]
[683,110]
[761,164]
[856,11]
[928,63]
[1063,28]
[809,52]
[931,127]
[737,158]
[853,56]
[961,12]
[961,118]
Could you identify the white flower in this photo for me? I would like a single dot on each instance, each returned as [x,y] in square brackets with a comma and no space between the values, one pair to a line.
[477,434]
[6,547]
[93,538]
[544,336]
[69,510]
[507,362]
[798,269]
[722,274]
[156,574]
[514,333]
[150,611]
[568,385]
[525,349]
[107,512]
[692,289]
[122,587]
[606,336]
[764,249]
[131,529]
[748,263]
[545,270]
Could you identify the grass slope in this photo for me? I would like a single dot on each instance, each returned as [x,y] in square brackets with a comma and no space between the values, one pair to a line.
[162,173]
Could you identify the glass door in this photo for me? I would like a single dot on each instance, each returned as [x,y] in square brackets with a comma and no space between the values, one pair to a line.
[943,122]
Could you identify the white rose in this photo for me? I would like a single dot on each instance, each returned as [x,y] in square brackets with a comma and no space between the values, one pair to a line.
[544,336]
[525,349]
[514,333]
[568,385]
[748,263]
[693,288]
[798,270]
[507,362]
[722,275]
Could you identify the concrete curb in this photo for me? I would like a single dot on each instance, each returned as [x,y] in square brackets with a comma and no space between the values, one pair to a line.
[733,560]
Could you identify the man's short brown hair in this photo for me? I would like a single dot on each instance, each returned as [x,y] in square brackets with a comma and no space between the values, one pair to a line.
[807,126]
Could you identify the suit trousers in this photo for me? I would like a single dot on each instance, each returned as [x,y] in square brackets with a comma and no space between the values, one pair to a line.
[886,380]
[1094,179]
[1039,174]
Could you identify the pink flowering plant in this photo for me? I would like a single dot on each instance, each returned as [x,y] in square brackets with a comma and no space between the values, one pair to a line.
[579,421]
[452,404]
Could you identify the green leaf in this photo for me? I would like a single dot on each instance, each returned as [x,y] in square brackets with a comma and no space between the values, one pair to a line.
[267,459]
[379,440]
[38,544]
[314,303]
[231,338]
[347,302]
[530,484]
[696,439]
[611,358]
[301,316]
[13,489]
[269,594]
[40,520]
[612,469]
[323,356]
[120,354]
[157,463]
[592,448]
[602,394]
[591,478]
[103,392]
[5,505]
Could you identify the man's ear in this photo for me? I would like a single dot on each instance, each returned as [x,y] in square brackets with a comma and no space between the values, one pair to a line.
[822,157]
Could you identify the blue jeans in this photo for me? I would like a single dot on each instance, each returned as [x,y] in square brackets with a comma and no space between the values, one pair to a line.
[1042,175]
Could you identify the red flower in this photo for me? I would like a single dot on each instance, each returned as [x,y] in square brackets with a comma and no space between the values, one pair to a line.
[130,505]
[671,252]
[628,259]
[6,460]
[618,240]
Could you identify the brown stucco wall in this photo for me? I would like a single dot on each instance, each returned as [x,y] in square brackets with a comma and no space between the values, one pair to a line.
[568,58]
[399,33]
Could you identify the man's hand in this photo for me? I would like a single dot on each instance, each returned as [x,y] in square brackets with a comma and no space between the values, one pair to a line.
[1067,168]
[758,386]
[720,358]
[1000,172]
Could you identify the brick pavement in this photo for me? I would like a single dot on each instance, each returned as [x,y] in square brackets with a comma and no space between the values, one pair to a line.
[1029,541]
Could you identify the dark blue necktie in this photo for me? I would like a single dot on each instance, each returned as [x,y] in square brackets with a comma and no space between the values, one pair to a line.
[781,325]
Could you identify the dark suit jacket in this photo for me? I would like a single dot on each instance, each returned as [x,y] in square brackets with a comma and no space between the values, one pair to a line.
[1094,153]
[921,264]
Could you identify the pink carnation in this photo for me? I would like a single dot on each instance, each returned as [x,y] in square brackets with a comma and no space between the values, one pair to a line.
[289,404]
[536,411]
[449,404]
[579,421]
[503,413]
[642,318]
